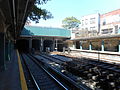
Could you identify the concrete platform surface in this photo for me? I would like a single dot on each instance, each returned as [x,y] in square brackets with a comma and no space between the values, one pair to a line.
[10,78]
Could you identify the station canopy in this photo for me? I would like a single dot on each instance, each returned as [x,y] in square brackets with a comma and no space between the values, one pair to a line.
[37,31]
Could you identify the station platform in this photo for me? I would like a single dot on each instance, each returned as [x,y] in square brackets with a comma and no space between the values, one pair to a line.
[12,78]
[106,56]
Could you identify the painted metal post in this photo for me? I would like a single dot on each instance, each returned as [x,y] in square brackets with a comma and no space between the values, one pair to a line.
[7,50]
[80,45]
[102,46]
[41,44]
[2,51]
[90,46]
[56,44]
[119,46]
[10,49]
[74,45]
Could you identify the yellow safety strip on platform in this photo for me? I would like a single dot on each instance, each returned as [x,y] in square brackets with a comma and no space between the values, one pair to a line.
[22,77]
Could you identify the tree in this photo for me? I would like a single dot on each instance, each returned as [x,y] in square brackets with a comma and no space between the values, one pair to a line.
[37,13]
[70,23]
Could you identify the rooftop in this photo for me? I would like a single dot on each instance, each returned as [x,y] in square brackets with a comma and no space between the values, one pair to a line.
[45,32]
[98,37]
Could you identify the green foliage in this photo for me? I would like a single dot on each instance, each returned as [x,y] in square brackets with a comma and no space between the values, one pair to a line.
[37,13]
[39,2]
[70,23]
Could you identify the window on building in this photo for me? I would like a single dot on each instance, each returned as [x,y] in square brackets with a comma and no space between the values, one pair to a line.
[104,22]
[104,31]
[110,30]
[92,20]
[116,29]
[86,28]
[92,28]
[86,21]
[82,22]
[77,34]
[107,31]
[82,28]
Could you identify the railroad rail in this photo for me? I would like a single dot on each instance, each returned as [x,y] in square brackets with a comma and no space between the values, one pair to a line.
[43,79]
[30,80]
[101,64]
[96,74]
[66,78]
[61,79]
[53,59]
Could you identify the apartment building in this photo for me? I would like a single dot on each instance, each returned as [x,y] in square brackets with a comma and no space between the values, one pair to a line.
[110,22]
[90,24]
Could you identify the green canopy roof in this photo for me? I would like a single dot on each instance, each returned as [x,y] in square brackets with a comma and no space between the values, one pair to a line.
[45,31]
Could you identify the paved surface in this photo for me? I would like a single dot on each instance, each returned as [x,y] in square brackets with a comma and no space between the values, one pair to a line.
[10,79]
[111,57]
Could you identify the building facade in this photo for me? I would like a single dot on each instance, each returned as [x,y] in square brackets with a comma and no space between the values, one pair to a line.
[90,24]
[110,23]
[107,37]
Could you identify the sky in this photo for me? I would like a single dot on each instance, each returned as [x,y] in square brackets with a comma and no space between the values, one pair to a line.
[61,9]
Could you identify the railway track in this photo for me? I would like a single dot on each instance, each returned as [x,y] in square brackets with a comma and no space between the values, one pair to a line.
[47,58]
[53,59]
[45,82]
[104,65]
[43,79]
[107,66]
[30,80]
[95,74]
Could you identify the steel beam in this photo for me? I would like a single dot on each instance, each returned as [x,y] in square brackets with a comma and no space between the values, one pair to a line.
[2,51]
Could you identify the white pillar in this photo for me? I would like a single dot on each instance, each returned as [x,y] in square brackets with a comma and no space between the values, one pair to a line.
[102,46]
[119,46]
[74,45]
[80,45]
[90,46]
[56,46]
[41,45]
